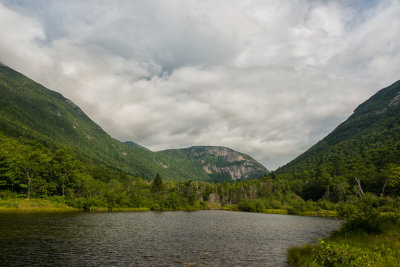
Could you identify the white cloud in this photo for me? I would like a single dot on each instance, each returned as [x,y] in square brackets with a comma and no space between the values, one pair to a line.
[265,78]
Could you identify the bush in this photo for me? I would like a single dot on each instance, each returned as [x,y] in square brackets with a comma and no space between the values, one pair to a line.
[9,194]
[363,215]
[203,205]
[333,254]
[275,204]
[327,205]
[251,205]
[364,221]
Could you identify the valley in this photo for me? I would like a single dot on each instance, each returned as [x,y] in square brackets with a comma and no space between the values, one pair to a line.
[55,158]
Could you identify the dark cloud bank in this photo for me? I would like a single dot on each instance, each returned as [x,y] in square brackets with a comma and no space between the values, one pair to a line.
[265,78]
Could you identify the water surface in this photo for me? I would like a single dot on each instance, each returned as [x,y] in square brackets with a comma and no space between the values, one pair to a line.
[204,238]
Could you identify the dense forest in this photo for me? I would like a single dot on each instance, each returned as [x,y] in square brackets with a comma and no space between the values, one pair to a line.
[29,169]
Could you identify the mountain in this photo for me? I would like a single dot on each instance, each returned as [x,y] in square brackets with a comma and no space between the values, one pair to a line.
[27,109]
[366,146]
[222,163]
[30,110]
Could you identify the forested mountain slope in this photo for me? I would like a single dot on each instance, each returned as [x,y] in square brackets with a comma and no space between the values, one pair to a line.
[29,110]
[365,147]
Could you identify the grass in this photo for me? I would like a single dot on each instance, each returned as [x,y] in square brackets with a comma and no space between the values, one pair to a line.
[351,249]
[230,207]
[32,204]
[130,209]
[321,213]
[56,204]
[275,211]
[300,256]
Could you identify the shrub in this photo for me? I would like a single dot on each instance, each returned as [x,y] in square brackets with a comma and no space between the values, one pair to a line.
[275,204]
[364,221]
[251,205]
[333,254]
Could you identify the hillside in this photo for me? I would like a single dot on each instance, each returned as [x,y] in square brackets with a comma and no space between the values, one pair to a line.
[366,146]
[221,163]
[32,111]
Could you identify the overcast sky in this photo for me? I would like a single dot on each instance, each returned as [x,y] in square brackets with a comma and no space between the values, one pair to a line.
[267,78]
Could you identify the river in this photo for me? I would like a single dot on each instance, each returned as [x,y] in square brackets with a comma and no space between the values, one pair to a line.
[198,238]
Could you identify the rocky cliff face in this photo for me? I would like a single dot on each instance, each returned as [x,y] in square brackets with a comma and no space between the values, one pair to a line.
[222,163]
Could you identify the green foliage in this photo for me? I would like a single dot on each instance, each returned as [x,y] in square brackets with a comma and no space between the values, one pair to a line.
[251,205]
[33,112]
[300,256]
[157,185]
[29,169]
[368,237]
[361,249]
[334,254]
[353,250]
[362,216]
[368,214]
[366,147]
[48,204]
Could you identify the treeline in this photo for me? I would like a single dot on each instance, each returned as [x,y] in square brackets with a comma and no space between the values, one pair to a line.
[29,169]
[338,175]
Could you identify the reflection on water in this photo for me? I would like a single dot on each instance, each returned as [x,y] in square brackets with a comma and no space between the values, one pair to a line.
[204,238]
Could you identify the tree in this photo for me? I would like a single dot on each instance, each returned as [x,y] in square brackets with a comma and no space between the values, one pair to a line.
[189,192]
[64,166]
[158,184]
[392,178]
[7,171]
[114,194]
[28,166]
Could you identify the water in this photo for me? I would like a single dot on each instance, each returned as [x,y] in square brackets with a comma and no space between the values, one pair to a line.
[200,238]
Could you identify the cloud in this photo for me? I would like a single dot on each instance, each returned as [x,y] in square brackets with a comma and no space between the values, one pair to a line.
[266,78]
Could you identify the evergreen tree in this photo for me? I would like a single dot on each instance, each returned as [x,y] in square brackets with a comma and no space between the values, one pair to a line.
[158,184]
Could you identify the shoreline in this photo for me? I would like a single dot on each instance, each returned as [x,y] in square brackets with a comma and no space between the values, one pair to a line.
[44,205]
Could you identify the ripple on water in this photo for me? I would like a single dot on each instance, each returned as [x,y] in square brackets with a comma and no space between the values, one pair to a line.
[216,238]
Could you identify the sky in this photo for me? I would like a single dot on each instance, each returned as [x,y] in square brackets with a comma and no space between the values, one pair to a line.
[266,78]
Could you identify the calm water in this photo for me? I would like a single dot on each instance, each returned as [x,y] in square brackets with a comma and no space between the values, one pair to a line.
[204,238]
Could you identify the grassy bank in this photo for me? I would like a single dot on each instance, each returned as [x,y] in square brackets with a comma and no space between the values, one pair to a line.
[367,237]
[314,213]
[57,204]
[320,213]
[47,205]
[357,249]
[33,204]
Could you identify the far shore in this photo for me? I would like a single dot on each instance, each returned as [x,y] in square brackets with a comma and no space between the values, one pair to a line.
[43,205]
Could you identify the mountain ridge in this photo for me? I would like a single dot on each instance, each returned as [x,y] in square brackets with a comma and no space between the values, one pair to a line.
[365,147]
[31,110]
[221,162]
